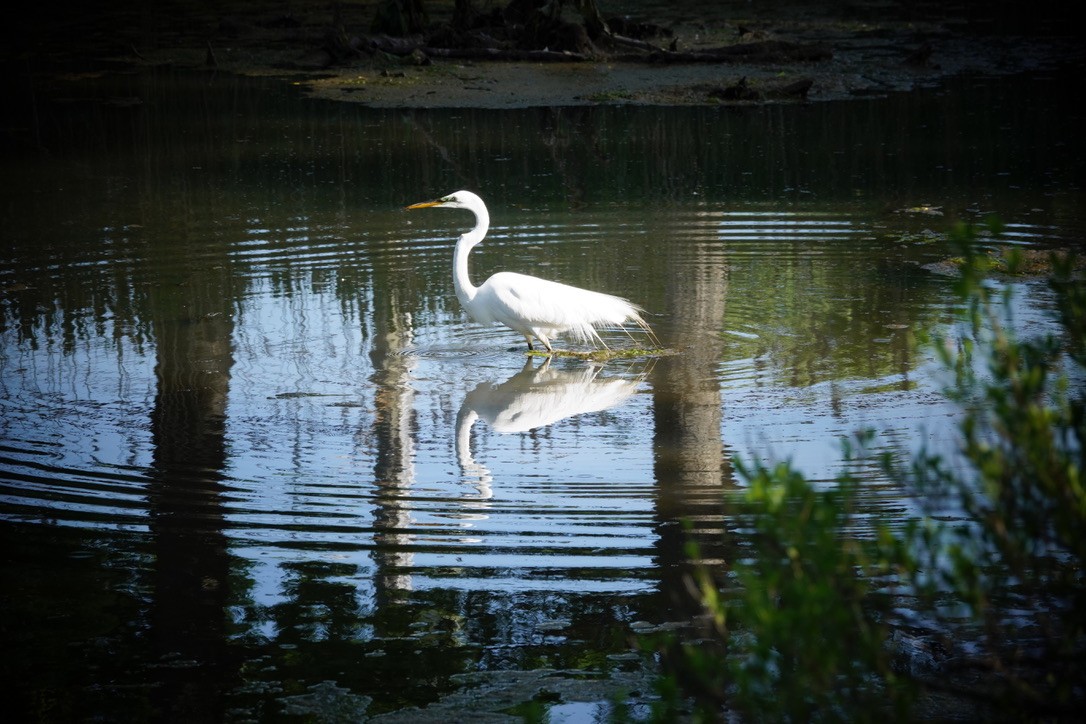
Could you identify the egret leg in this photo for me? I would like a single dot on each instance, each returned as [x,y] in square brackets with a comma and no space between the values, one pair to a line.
[546,342]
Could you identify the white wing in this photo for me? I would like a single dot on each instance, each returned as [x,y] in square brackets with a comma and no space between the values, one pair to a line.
[529,305]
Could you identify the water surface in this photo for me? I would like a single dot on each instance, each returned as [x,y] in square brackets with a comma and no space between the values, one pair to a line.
[255,462]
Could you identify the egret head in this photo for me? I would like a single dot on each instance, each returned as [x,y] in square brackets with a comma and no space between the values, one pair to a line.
[456,200]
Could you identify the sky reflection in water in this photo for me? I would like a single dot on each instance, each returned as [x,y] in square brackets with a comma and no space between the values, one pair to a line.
[245,419]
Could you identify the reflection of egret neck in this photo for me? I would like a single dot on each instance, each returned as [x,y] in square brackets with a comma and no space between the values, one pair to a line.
[465,290]
[464,420]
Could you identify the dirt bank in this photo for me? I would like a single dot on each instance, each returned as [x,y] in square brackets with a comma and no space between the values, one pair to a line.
[858,47]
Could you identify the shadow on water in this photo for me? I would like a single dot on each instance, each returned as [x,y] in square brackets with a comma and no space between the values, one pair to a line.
[255,462]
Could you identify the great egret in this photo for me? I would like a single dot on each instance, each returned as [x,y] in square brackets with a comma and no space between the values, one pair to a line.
[532,306]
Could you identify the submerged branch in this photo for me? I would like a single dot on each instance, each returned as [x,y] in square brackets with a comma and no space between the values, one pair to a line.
[603,355]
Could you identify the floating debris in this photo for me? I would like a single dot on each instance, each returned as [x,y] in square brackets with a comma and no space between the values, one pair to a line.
[923,209]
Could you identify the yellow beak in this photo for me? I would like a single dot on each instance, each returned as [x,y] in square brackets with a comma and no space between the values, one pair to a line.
[423,205]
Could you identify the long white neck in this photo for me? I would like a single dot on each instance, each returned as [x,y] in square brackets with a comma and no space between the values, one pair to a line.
[465,290]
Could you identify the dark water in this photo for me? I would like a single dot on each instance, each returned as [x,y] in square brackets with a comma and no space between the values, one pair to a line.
[256,464]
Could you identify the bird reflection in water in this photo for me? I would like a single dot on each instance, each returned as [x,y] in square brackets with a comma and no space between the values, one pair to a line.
[532,398]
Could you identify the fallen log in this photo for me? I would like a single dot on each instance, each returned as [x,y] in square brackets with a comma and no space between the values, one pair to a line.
[546,56]
[765,51]
[392,45]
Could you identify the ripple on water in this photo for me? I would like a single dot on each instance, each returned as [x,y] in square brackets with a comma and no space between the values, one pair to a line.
[73,453]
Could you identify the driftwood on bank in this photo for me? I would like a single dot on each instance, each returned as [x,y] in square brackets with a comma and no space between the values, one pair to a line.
[764,51]
[409,46]
[546,56]
[634,50]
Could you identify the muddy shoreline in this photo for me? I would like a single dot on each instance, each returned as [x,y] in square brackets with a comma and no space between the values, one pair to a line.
[872,47]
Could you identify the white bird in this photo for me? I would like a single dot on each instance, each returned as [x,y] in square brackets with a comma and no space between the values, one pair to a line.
[532,306]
